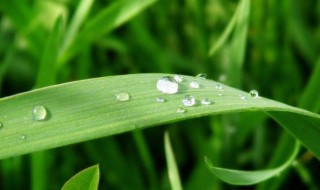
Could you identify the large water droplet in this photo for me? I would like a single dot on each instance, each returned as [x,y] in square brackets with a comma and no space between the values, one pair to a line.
[23,137]
[194,84]
[167,85]
[254,94]
[202,76]
[122,97]
[178,78]
[181,110]
[189,100]
[161,100]
[206,101]
[39,113]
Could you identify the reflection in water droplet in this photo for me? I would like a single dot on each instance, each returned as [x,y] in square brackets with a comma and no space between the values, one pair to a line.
[189,100]
[39,113]
[122,96]
[202,75]
[206,101]
[178,78]
[219,87]
[23,137]
[167,85]
[254,94]
[181,110]
[194,84]
[161,100]
[242,97]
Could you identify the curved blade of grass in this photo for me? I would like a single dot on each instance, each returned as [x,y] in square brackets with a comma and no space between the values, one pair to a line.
[88,109]
[239,177]
[85,179]
[105,21]
[173,171]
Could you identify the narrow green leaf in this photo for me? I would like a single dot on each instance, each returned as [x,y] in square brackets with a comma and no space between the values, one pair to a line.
[87,179]
[239,177]
[79,17]
[47,70]
[88,109]
[226,33]
[173,171]
[108,19]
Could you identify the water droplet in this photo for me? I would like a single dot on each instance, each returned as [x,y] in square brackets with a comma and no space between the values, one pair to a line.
[219,87]
[202,75]
[242,97]
[194,84]
[178,78]
[161,100]
[23,137]
[181,110]
[39,113]
[206,101]
[189,100]
[294,163]
[254,94]
[1,125]
[167,85]
[122,97]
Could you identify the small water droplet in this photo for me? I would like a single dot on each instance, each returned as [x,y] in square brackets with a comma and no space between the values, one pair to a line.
[202,76]
[178,78]
[161,100]
[167,85]
[122,97]
[181,110]
[194,84]
[206,101]
[254,94]
[23,137]
[222,78]
[294,163]
[189,100]
[219,87]
[242,97]
[39,113]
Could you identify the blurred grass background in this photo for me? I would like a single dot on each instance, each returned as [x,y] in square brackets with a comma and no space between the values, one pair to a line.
[274,49]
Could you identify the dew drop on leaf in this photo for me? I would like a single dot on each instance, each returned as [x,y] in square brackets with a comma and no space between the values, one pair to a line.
[161,100]
[23,137]
[167,85]
[194,84]
[242,97]
[122,97]
[254,94]
[178,78]
[39,113]
[219,87]
[206,101]
[181,110]
[202,76]
[189,100]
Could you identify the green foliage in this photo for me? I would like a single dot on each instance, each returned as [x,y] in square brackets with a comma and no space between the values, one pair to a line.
[271,46]
[86,179]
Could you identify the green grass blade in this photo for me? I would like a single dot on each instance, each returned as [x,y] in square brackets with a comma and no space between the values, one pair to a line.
[87,179]
[81,13]
[238,177]
[108,19]
[173,171]
[47,71]
[88,109]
